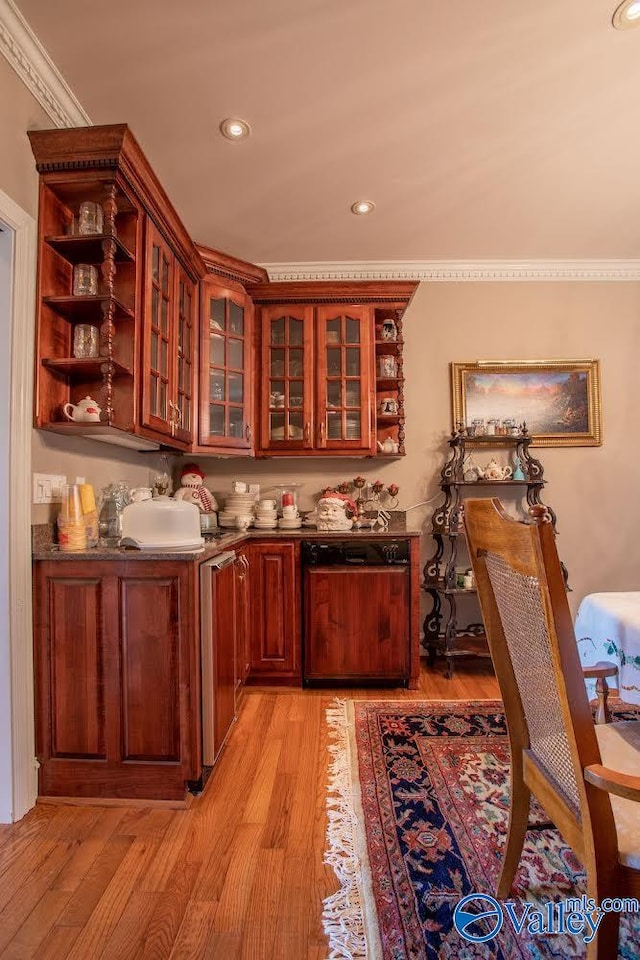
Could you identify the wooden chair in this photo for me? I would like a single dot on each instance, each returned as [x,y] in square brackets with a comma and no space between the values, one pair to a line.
[585,777]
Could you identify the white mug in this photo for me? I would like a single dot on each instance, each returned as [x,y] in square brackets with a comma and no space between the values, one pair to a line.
[289,511]
[267,505]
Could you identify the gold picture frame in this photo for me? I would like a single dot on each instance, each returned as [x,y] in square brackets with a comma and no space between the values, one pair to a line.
[559,400]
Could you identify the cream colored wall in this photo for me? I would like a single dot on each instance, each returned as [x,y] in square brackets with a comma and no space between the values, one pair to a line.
[592,489]
[19,112]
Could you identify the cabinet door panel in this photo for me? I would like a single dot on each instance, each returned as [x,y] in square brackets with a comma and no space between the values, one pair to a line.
[76,665]
[345,383]
[226,368]
[357,623]
[275,638]
[287,421]
[150,644]
[187,303]
[159,333]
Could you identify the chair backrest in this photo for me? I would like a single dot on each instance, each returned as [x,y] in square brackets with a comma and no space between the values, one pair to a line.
[530,633]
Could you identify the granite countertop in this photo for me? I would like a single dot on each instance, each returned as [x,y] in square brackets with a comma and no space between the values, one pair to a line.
[48,551]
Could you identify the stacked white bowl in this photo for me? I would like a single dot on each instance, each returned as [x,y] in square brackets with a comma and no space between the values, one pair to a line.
[237,505]
[290,519]
[266,515]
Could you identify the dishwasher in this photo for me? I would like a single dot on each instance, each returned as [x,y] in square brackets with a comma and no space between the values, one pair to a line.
[356,612]
[217,652]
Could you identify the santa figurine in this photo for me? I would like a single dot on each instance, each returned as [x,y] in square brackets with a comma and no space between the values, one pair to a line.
[192,489]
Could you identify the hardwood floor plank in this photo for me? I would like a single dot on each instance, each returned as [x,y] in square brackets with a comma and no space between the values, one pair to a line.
[194,936]
[128,937]
[84,857]
[238,883]
[107,913]
[265,907]
[26,898]
[36,927]
[169,912]
[58,943]
[95,882]
[173,844]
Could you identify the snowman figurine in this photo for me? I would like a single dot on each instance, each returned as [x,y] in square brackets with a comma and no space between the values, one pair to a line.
[192,489]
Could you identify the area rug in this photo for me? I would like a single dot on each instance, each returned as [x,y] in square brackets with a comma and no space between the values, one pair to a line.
[417,817]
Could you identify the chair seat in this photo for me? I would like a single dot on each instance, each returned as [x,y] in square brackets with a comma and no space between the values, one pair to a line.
[620,747]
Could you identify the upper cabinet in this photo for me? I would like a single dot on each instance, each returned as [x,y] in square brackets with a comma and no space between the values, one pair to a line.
[117,294]
[322,389]
[227,355]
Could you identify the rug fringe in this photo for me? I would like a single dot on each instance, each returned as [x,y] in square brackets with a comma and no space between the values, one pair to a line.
[342,916]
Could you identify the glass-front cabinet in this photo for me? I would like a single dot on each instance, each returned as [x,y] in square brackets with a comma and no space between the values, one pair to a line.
[344,383]
[225,368]
[317,375]
[168,342]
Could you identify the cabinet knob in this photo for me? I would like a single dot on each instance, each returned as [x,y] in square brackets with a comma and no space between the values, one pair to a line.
[248,432]
[321,431]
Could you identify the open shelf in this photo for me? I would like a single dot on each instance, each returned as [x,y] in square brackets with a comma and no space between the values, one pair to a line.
[86,309]
[88,249]
[85,367]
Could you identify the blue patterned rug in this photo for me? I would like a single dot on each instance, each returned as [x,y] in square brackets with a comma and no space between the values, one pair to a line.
[418,811]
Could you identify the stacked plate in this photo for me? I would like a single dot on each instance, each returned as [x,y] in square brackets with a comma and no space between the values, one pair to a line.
[236,505]
[290,523]
[266,519]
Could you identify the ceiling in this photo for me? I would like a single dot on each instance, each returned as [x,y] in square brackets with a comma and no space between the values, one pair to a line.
[494,130]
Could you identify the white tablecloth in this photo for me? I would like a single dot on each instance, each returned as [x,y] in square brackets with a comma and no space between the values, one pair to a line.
[608,628]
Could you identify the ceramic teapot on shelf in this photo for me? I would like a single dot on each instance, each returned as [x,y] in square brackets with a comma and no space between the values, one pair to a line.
[493,471]
[86,410]
[388,445]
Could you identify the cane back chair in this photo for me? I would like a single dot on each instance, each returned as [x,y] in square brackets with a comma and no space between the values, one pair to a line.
[585,777]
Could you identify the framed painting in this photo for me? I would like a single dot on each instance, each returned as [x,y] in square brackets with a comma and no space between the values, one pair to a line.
[558,400]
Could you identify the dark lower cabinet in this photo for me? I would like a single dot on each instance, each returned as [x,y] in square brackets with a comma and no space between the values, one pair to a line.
[357,624]
[117,680]
[275,612]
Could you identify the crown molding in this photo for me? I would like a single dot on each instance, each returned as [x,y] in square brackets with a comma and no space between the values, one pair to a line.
[457,270]
[26,55]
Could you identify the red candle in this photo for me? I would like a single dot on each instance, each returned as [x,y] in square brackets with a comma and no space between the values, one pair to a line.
[287,499]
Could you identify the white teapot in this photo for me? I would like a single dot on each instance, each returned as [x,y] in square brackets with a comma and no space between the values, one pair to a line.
[137,494]
[493,471]
[86,410]
[389,445]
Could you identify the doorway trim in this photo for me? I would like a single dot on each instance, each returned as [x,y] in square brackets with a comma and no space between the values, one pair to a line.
[24,786]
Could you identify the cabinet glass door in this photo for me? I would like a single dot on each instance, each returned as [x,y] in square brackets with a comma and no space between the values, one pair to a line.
[160,333]
[225,370]
[344,377]
[287,371]
[185,356]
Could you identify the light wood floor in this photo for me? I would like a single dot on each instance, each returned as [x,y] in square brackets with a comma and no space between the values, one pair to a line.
[237,876]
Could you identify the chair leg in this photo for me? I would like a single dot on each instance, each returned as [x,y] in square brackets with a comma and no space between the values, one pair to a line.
[518,822]
[604,945]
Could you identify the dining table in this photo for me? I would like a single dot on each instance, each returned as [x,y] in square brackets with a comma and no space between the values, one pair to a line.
[607,627]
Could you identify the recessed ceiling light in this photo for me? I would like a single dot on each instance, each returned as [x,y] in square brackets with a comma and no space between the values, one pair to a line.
[235,129]
[360,207]
[627,15]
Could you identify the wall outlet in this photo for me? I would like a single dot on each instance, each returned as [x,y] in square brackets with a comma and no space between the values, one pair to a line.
[47,487]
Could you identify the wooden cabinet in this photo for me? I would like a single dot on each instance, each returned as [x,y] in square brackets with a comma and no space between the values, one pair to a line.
[357,624]
[317,375]
[140,272]
[117,678]
[219,656]
[226,368]
[169,341]
[321,385]
[275,612]
[243,574]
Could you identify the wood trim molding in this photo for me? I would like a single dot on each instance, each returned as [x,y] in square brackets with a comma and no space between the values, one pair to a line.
[456,271]
[26,55]
[24,787]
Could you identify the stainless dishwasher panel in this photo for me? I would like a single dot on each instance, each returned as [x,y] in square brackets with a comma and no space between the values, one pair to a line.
[207,572]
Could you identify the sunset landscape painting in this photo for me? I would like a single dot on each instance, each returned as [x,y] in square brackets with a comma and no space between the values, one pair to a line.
[558,401]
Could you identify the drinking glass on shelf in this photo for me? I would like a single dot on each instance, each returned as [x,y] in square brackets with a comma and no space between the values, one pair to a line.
[85,280]
[85,341]
[90,218]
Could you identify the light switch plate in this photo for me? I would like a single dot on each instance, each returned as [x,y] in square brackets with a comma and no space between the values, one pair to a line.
[47,487]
